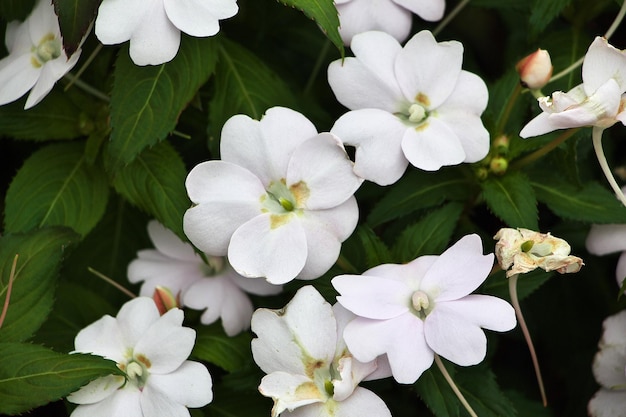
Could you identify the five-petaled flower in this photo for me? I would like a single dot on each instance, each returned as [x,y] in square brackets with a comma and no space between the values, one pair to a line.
[279,203]
[391,16]
[153,26]
[152,350]
[425,307]
[36,59]
[309,370]
[413,104]
[213,286]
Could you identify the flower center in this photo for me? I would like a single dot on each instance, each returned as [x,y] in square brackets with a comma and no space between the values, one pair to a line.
[214,265]
[49,48]
[417,113]
[421,304]
[137,371]
[281,198]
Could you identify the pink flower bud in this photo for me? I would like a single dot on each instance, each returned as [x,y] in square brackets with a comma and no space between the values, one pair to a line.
[535,70]
[164,299]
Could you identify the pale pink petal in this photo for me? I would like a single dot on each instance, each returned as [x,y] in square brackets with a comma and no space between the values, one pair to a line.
[103,338]
[156,40]
[603,62]
[362,402]
[382,371]
[135,317]
[425,67]
[124,402]
[189,385]
[454,328]
[343,316]
[459,270]
[118,19]
[411,273]
[606,403]
[271,246]
[166,242]
[97,390]
[432,144]
[290,391]
[377,136]
[351,373]
[373,297]
[606,238]
[614,331]
[208,295]
[199,17]
[430,10]
[359,16]
[401,338]
[17,76]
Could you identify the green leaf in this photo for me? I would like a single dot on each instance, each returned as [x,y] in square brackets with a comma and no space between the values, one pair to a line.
[146,101]
[592,203]
[479,387]
[155,182]
[244,84]
[40,253]
[214,346]
[16,9]
[512,199]
[430,235]
[434,390]
[376,251]
[57,187]
[75,17]
[325,15]
[498,284]
[544,12]
[417,190]
[32,375]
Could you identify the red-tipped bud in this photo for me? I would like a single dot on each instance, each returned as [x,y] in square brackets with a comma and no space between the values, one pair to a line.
[535,70]
[164,299]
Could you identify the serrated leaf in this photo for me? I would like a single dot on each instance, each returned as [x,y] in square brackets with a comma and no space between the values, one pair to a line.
[544,12]
[479,387]
[32,375]
[244,84]
[16,9]
[214,346]
[512,199]
[592,203]
[40,253]
[155,182]
[75,18]
[146,101]
[376,251]
[430,235]
[325,15]
[434,390]
[57,187]
[418,190]
[498,285]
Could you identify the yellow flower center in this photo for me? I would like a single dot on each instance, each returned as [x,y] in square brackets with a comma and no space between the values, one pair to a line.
[49,48]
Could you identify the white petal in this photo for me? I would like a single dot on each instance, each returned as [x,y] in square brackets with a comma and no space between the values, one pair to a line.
[169,244]
[290,391]
[97,390]
[118,19]
[368,80]
[377,136]
[42,21]
[606,238]
[411,274]
[373,297]
[177,276]
[135,317]
[603,62]
[360,16]
[599,109]
[155,40]
[340,221]
[207,294]
[323,167]
[432,145]
[606,403]
[17,39]
[104,338]
[17,76]
[362,402]
[237,310]
[459,270]
[253,286]
[271,246]
[430,10]
[124,402]
[608,366]
[155,403]
[429,68]
[351,372]
[538,126]
[614,330]
[620,269]
[189,385]
[199,18]
[51,72]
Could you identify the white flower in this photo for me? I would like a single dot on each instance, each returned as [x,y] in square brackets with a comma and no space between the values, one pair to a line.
[596,102]
[153,26]
[215,287]
[609,238]
[280,202]
[413,104]
[36,59]
[152,351]
[527,250]
[609,367]
[309,371]
[391,16]
[412,311]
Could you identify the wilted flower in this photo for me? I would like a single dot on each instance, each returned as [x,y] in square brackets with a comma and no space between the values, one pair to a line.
[152,350]
[36,58]
[413,104]
[280,202]
[527,250]
[309,370]
[535,69]
[412,311]
[609,369]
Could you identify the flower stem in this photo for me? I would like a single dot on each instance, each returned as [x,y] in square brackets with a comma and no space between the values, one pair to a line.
[316,69]
[85,65]
[507,110]
[5,308]
[456,390]
[450,16]
[112,282]
[529,342]
[596,135]
[545,149]
[87,88]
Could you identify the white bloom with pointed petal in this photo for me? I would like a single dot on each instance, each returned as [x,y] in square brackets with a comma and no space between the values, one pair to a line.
[153,26]
[413,104]
[412,311]
[279,203]
[36,59]
[215,286]
[598,101]
[152,350]
[609,369]
[391,16]
[309,370]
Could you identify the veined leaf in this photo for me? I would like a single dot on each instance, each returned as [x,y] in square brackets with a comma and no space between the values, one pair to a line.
[146,101]
[544,12]
[434,390]
[75,17]
[325,15]
[31,375]
[214,346]
[16,9]
[376,252]
[57,187]
[40,253]
[512,199]
[480,388]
